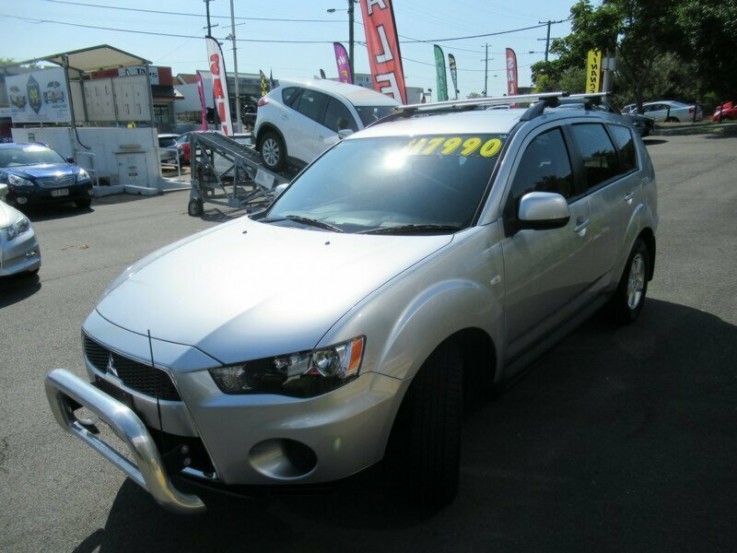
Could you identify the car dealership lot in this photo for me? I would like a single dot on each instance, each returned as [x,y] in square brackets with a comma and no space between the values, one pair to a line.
[616,440]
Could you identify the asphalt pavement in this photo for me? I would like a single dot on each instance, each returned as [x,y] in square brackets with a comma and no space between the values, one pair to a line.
[619,439]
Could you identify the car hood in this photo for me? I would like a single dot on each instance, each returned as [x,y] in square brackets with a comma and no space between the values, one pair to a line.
[8,215]
[43,171]
[250,289]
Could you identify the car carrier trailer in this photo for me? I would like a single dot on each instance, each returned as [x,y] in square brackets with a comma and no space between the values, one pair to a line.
[225,172]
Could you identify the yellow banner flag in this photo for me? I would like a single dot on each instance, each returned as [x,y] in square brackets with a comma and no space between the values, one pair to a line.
[593,71]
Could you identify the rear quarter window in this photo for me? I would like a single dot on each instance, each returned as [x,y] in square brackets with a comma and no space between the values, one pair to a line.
[626,145]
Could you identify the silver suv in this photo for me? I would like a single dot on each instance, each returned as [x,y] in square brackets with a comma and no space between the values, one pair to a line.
[416,265]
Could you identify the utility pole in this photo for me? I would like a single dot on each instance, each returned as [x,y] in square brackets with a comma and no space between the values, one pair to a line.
[238,121]
[547,39]
[351,12]
[207,8]
[486,71]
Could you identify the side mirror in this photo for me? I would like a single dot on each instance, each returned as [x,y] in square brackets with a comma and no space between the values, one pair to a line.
[543,210]
[342,133]
[69,159]
[3,190]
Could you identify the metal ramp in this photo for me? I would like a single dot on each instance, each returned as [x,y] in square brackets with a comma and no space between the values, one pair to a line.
[227,173]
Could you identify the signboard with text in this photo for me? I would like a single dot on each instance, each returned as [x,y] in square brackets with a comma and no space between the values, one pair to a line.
[39,97]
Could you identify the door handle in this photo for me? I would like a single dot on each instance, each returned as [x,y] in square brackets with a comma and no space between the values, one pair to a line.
[628,197]
[581,224]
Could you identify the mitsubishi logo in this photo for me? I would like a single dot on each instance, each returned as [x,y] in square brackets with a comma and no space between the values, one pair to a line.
[111,366]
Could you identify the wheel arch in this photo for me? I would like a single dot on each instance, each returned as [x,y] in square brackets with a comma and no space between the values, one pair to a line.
[263,129]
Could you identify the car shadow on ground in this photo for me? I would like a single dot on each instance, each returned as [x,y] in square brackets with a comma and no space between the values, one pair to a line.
[618,437]
[16,288]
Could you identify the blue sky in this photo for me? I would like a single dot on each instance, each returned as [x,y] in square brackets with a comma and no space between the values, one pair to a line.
[167,32]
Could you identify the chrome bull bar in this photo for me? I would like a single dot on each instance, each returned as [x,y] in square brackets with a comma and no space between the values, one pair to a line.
[147,470]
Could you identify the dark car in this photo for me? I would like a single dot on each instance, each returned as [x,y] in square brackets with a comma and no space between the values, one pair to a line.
[36,174]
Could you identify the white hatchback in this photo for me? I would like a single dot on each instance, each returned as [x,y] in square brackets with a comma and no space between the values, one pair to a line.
[299,120]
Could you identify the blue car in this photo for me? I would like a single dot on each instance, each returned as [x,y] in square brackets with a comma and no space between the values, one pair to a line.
[36,174]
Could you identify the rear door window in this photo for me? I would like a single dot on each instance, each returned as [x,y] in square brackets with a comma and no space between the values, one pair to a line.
[312,104]
[598,155]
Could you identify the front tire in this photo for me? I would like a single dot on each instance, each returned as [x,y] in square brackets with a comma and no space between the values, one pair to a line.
[424,451]
[272,150]
[629,298]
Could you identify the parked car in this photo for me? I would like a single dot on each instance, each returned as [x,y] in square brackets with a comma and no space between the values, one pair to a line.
[299,120]
[727,110]
[36,174]
[412,268]
[668,111]
[19,250]
[168,151]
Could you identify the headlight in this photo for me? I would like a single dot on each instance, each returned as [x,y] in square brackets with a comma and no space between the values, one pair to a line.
[15,180]
[303,374]
[83,176]
[19,227]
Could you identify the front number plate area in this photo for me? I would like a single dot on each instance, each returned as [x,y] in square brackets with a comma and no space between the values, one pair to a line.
[121,395]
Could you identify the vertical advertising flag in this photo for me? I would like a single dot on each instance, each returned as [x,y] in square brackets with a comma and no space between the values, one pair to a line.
[219,84]
[453,74]
[441,78]
[203,102]
[382,43]
[512,87]
[593,71]
[264,83]
[344,66]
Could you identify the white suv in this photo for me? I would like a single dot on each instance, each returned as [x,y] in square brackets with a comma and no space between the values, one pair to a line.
[300,119]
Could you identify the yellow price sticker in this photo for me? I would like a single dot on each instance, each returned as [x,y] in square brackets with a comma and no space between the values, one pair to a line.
[461,145]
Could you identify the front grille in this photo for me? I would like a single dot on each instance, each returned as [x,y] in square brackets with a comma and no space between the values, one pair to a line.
[56,182]
[137,376]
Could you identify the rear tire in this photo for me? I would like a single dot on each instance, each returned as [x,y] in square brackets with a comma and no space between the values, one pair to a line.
[424,451]
[272,150]
[629,298]
[83,204]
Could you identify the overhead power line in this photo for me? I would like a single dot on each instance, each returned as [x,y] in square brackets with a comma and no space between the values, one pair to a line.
[140,10]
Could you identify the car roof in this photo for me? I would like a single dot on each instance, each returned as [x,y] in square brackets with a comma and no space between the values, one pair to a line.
[356,95]
[464,122]
[470,117]
[21,145]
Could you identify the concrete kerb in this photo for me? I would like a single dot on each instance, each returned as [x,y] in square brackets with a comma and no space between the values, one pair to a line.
[702,127]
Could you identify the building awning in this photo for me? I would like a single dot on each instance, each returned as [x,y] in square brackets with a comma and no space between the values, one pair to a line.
[95,58]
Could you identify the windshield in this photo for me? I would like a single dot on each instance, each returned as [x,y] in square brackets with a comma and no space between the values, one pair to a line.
[370,114]
[29,155]
[398,185]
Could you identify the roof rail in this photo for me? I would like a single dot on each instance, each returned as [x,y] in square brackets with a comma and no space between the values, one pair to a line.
[544,99]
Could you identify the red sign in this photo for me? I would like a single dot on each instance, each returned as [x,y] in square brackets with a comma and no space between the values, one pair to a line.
[219,84]
[383,48]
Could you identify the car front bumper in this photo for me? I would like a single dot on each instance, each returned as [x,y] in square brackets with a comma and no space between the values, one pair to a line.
[20,255]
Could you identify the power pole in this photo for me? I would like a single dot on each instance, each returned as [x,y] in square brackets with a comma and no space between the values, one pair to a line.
[486,71]
[207,8]
[239,122]
[350,36]
[547,39]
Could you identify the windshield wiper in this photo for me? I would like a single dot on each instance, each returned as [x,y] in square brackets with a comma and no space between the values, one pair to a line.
[413,229]
[305,221]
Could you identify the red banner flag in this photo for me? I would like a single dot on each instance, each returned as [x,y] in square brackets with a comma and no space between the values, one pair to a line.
[219,84]
[383,48]
[511,73]
[344,67]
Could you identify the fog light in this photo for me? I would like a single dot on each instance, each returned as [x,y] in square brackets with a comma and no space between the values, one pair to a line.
[283,459]
[21,200]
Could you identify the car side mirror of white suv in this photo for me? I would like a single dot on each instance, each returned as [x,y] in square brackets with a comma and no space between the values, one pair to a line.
[543,210]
